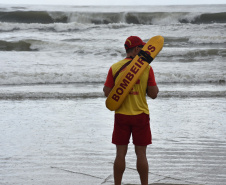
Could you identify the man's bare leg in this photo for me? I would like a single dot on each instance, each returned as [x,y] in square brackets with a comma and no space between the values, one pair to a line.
[142,164]
[120,163]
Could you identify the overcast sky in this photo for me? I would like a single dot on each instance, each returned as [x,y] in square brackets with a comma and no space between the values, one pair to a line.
[113,2]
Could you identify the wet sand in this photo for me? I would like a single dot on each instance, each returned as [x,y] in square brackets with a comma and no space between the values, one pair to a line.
[59,142]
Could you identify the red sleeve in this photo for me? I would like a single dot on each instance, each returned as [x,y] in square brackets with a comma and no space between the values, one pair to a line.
[151,78]
[110,80]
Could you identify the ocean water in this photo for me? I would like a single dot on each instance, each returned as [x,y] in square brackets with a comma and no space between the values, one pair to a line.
[54,126]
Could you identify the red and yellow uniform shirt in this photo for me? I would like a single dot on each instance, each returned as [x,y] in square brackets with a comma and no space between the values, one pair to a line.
[135,103]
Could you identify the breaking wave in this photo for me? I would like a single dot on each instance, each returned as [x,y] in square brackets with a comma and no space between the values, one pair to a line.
[30,17]
[22,78]
[146,18]
[170,43]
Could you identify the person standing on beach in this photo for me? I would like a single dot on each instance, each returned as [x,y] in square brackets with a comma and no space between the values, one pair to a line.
[133,115]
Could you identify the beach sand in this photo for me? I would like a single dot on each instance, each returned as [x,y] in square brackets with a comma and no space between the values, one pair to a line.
[50,141]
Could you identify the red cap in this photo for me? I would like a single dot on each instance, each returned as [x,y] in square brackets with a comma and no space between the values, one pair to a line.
[133,41]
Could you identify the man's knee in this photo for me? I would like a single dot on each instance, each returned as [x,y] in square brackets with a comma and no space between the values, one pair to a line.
[121,151]
[140,150]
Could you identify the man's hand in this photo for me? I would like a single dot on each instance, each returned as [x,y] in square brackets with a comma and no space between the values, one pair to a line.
[107,90]
[152,91]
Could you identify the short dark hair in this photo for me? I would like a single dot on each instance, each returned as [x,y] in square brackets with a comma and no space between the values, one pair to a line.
[131,49]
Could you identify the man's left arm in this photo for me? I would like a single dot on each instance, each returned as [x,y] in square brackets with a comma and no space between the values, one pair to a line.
[152,89]
[107,90]
[109,84]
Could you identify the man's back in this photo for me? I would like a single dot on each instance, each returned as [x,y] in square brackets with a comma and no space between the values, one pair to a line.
[135,103]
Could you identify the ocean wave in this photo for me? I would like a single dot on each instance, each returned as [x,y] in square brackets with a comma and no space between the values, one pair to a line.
[59,95]
[15,46]
[171,49]
[207,18]
[48,95]
[170,41]
[192,53]
[31,45]
[58,27]
[203,41]
[30,17]
[146,18]
[20,78]
[192,94]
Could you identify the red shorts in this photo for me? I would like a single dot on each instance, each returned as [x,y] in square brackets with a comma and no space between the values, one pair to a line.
[138,125]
